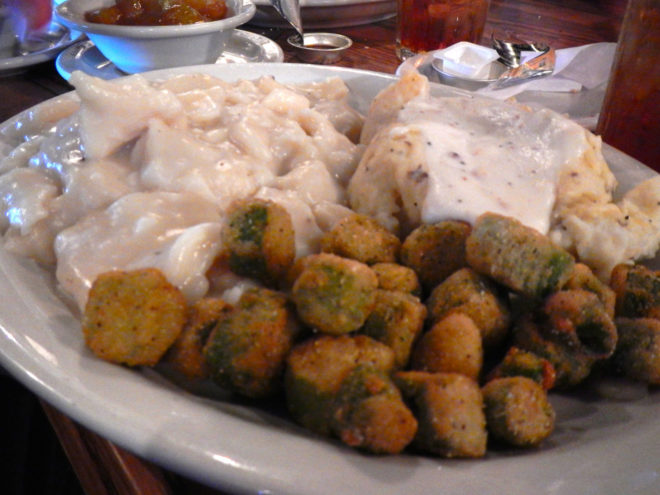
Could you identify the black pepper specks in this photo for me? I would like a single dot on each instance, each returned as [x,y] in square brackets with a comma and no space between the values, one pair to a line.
[456,156]
[418,175]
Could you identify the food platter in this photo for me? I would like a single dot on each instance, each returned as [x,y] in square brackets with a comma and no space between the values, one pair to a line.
[328,13]
[601,445]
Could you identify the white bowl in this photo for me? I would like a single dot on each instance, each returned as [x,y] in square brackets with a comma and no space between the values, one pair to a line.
[143,48]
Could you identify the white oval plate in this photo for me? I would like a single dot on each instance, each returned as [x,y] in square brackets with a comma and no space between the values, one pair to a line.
[327,13]
[599,447]
[242,47]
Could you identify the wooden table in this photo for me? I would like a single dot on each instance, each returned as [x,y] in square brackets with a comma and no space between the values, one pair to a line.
[104,468]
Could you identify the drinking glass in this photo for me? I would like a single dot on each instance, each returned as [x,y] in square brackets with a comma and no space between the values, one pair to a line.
[630,117]
[425,25]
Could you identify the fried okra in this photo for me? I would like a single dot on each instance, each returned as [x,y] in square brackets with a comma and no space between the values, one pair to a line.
[260,240]
[452,345]
[334,295]
[316,369]
[392,276]
[571,366]
[396,320]
[466,291]
[517,256]
[518,362]
[369,413]
[246,350]
[578,319]
[518,411]
[572,330]
[637,289]
[638,352]
[133,317]
[449,412]
[583,278]
[435,251]
[186,355]
[361,238]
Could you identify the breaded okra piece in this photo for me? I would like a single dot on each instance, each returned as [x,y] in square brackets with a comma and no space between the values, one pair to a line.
[578,320]
[638,352]
[186,354]
[583,278]
[452,345]
[392,276]
[246,350]
[468,292]
[571,365]
[316,369]
[369,413]
[260,240]
[518,411]
[396,320]
[637,289]
[133,317]
[435,251]
[449,412]
[334,295]
[518,362]
[361,238]
[517,256]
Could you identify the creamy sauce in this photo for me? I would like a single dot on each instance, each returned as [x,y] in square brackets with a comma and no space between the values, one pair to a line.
[456,158]
[480,159]
[465,182]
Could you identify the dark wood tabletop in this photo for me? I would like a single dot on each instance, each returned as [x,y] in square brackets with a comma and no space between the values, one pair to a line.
[104,468]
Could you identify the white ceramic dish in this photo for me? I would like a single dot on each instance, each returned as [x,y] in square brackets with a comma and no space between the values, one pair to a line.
[56,38]
[328,13]
[142,48]
[242,47]
[604,447]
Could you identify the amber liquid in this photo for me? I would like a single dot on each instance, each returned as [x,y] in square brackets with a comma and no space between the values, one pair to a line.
[630,117]
[425,25]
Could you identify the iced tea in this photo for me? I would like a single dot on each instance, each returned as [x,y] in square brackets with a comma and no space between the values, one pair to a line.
[630,118]
[425,25]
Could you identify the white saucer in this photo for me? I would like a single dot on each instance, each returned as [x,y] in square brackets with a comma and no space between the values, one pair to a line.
[242,47]
[45,48]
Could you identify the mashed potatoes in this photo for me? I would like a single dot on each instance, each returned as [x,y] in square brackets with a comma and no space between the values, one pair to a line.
[132,173]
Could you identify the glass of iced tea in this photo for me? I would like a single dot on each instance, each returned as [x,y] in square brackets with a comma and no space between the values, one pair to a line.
[630,117]
[425,25]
